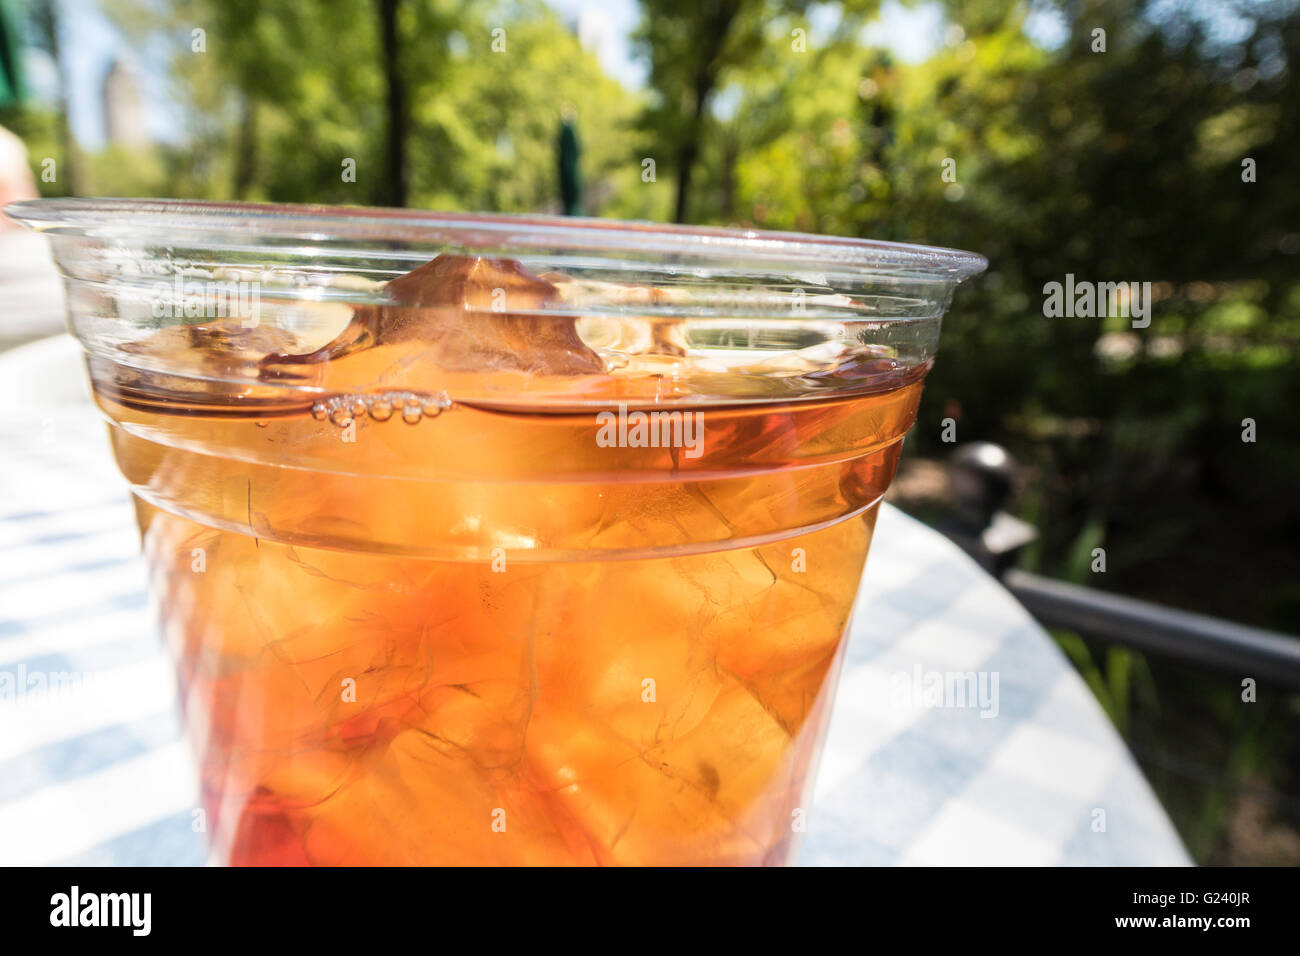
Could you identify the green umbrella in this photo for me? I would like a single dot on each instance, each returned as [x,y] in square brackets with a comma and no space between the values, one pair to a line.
[570,176]
[11,74]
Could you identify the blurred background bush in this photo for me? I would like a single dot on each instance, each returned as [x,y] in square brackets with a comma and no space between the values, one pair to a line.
[1011,127]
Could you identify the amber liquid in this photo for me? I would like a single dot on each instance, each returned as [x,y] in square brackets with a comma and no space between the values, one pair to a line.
[483,638]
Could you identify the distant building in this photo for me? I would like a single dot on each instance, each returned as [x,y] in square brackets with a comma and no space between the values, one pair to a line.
[123,120]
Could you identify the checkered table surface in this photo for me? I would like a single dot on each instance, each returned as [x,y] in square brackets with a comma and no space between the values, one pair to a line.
[1030,774]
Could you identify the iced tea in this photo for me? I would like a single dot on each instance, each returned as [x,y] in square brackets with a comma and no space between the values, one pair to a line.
[468,557]
[477,635]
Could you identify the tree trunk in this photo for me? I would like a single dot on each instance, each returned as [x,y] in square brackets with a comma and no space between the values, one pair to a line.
[47,24]
[730,156]
[393,190]
[718,21]
[246,155]
[685,164]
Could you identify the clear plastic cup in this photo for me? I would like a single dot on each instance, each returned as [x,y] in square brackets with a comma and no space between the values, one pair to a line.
[492,539]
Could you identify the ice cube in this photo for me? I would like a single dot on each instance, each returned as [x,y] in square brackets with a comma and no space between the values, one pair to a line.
[714,795]
[453,314]
[420,800]
[625,334]
[210,358]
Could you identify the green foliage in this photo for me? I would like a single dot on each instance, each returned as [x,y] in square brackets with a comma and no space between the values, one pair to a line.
[284,94]
[695,48]
[39,129]
[1111,675]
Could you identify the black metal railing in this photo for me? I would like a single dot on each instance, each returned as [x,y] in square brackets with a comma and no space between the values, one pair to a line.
[981,480]
[1154,628]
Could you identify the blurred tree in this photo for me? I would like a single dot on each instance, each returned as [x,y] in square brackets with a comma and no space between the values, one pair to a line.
[416,102]
[13,86]
[396,119]
[692,46]
[46,18]
[498,124]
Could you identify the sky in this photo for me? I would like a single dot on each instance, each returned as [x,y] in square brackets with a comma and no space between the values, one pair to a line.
[91,43]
